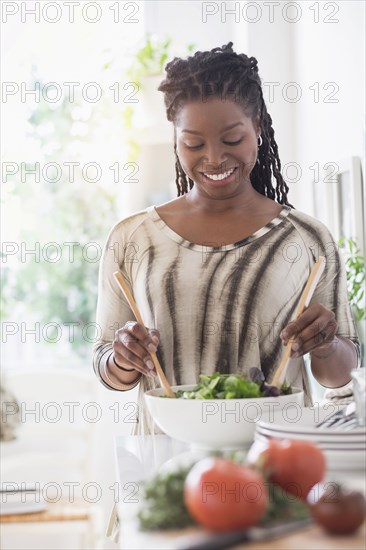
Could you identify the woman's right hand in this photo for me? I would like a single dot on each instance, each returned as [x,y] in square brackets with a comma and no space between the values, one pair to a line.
[132,346]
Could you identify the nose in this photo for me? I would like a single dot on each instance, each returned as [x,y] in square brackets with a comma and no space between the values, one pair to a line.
[215,156]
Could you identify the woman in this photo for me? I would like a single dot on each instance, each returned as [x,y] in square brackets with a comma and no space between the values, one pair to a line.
[217,273]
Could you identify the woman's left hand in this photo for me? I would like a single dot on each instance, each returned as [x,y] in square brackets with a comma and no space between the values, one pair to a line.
[315,327]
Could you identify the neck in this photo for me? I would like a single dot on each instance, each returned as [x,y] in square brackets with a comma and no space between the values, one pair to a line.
[247,201]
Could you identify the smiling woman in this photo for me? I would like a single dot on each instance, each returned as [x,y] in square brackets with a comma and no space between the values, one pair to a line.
[226,148]
[217,273]
[219,158]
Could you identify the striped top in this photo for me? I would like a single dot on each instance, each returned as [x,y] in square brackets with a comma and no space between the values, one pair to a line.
[217,308]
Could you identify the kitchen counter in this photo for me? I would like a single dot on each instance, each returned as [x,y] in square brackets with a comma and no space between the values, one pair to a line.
[140,457]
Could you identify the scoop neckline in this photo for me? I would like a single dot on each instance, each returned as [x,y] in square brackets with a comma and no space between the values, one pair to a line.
[162,225]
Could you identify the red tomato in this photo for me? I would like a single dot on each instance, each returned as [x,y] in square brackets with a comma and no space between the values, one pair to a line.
[222,495]
[338,510]
[294,465]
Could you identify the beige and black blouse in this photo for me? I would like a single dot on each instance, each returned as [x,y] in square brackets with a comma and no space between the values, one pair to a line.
[217,308]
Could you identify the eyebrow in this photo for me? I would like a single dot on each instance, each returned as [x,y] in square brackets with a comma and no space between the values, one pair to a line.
[224,130]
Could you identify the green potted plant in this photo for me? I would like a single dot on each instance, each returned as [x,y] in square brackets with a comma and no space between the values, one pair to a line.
[356,280]
[150,59]
[146,71]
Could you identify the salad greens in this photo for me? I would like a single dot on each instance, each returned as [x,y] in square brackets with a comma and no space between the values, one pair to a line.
[233,386]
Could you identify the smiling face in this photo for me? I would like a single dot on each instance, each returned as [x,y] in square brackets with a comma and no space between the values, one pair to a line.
[217,146]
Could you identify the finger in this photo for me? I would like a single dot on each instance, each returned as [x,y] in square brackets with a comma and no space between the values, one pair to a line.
[310,347]
[136,329]
[133,346]
[314,332]
[304,319]
[319,333]
[155,336]
[128,359]
[291,330]
[132,351]
[140,333]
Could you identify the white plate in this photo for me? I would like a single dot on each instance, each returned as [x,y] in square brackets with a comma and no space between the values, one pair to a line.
[294,419]
[343,460]
[341,445]
[316,437]
[347,441]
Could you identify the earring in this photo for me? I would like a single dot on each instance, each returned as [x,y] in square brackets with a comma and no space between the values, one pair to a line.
[260,141]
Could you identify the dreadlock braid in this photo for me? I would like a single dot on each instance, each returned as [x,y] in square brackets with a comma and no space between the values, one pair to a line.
[223,73]
[180,176]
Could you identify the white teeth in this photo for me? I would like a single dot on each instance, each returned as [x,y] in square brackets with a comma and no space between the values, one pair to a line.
[218,177]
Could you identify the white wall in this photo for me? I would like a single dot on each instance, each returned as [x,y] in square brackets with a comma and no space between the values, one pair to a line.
[271,43]
[306,52]
[184,21]
[324,53]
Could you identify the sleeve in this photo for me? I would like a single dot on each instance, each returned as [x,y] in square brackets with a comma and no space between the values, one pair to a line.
[113,310]
[331,290]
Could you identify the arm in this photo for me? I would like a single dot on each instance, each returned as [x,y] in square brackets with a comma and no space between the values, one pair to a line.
[326,329]
[112,313]
[331,364]
[114,377]
[332,356]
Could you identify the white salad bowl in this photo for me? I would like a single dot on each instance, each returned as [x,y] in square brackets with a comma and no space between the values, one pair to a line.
[215,423]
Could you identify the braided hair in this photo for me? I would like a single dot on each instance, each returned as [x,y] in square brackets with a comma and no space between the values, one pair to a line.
[225,74]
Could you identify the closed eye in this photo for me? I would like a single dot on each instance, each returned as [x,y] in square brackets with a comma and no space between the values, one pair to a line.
[232,143]
[193,148]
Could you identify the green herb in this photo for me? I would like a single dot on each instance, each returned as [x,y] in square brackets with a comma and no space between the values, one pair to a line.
[163,506]
[356,276]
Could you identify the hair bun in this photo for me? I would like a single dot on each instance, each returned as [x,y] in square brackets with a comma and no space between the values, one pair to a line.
[253,64]
[228,47]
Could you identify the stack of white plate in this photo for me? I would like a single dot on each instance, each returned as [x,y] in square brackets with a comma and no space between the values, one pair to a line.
[345,449]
